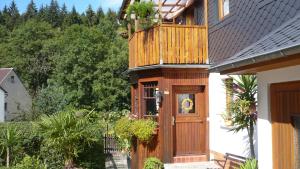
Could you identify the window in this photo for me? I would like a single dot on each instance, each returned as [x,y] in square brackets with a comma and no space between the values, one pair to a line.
[148,99]
[12,79]
[5,107]
[186,103]
[229,93]
[223,8]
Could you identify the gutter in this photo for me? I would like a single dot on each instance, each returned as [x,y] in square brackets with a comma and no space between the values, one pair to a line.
[258,58]
[181,66]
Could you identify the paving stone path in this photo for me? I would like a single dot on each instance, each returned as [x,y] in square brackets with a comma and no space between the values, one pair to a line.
[117,160]
[197,165]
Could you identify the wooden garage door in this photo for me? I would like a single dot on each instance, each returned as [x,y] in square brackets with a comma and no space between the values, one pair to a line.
[285,113]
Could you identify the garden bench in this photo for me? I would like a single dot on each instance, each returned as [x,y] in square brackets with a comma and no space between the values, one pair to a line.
[236,159]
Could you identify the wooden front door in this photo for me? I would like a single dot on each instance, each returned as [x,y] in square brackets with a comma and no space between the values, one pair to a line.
[189,120]
[285,113]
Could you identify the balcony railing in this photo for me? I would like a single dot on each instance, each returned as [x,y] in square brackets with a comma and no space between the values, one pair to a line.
[168,44]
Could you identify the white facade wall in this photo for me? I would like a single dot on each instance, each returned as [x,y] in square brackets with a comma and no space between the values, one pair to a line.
[19,102]
[2,101]
[264,126]
[221,139]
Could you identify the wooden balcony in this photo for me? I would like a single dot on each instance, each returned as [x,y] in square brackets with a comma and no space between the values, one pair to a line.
[168,44]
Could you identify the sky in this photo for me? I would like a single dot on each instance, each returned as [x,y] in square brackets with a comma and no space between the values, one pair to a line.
[80,5]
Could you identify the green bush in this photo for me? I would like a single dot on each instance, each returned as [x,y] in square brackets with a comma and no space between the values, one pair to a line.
[143,129]
[250,164]
[153,163]
[30,163]
[25,143]
[122,128]
[92,156]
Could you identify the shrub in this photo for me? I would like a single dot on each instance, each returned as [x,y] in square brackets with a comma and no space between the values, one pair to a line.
[153,163]
[123,128]
[23,144]
[143,129]
[68,132]
[250,164]
[30,163]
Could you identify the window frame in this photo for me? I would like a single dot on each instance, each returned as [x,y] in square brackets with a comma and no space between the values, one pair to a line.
[221,9]
[143,98]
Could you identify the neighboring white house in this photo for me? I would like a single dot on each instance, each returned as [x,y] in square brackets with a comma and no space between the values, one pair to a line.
[15,101]
[2,103]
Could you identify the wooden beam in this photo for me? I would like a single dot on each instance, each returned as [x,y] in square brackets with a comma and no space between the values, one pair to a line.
[172,8]
[266,65]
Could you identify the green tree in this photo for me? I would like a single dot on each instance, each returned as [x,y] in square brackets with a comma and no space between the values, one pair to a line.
[73,18]
[76,63]
[53,14]
[14,16]
[8,139]
[111,85]
[244,113]
[79,129]
[31,11]
[91,16]
[27,46]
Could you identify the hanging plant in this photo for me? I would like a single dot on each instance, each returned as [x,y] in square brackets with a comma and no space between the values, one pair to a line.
[143,11]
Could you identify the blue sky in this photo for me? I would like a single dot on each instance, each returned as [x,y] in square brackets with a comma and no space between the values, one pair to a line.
[80,5]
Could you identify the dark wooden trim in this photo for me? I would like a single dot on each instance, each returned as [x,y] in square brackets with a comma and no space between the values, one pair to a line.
[266,65]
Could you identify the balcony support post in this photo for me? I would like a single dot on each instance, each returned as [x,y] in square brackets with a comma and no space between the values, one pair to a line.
[129,30]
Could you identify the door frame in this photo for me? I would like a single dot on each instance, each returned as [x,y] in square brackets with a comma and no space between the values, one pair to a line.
[204,89]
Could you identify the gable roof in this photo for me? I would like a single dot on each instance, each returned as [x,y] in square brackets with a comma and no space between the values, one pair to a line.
[4,72]
[283,41]
[3,90]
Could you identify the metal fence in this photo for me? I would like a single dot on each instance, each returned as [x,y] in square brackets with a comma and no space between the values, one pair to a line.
[111,144]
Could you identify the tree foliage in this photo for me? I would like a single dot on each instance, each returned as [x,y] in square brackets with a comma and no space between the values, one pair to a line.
[68,132]
[82,56]
[243,109]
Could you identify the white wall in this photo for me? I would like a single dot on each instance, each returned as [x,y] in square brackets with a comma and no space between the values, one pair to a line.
[221,139]
[2,101]
[264,126]
[18,100]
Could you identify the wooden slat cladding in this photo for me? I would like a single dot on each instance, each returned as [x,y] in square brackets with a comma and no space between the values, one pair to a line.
[169,79]
[171,44]
[285,105]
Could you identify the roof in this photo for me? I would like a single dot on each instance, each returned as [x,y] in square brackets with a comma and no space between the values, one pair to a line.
[4,72]
[169,9]
[271,46]
[3,90]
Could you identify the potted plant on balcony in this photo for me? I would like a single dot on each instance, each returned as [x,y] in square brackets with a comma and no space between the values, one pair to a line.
[143,13]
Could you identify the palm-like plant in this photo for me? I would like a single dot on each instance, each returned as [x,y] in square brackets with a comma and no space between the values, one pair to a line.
[68,132]
[8,139]
[243,109]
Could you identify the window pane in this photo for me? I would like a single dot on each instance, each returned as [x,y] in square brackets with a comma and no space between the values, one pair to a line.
[226,7]
[150,107]
[186,103]
[296,122]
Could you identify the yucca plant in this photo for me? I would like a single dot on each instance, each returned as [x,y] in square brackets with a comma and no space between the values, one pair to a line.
[68,132]
[8,139]
[250,164]
[243,108]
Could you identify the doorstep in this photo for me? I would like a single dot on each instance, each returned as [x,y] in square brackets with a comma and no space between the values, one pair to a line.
[188,159]
[194,165]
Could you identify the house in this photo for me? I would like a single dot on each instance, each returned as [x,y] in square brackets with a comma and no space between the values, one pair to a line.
[185,60]
[272,52]
[15,101]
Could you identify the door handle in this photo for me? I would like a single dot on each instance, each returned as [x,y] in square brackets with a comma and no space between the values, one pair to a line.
[173,121]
